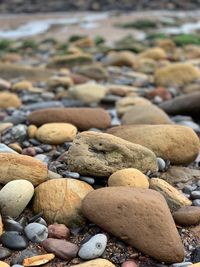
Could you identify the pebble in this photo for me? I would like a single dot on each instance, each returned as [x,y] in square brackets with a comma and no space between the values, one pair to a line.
[93,248]
[14,240]
[129,263]
[38,260]
[59,231]
[26,253]
[195,255]
[181,264]
[36,232]
[189,188]
[88,180]
[43,105]
[161,164]
[195,194]
[74,175]
[4,253]
[196,202]
[3,264]
[6,149]
[17,265]
[44,158]
[12,225]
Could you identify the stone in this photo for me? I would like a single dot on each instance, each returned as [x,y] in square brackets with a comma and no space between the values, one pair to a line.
[189,188]
[96,263]
[4,85]
[181,264]
[195,194]
[31,130]
[15,167]
[14,240]
[22,85]
[57,81]
[195,265]
[16,147]
[128,177]
[145,65]
[36,232]
[11,225]
[126,103]
[195,255]
[196,202]
[5,125]
[93,248]
[122,58]
[82,118]
[88,93]
[59,231]
[56,133]
[187,216]
[95,72]
[8,100]
[26,253]
[63,207]
[161,164]
[174,198]
[151,114]
[178,144]
[184,104]
[69,61]
[4,264]
[38,260]
[6,149]
[140,217]
[61,248]
[156,53]
[129,263]
[20,192]
[18,133]
[4,253]
[100,155]
[176,74]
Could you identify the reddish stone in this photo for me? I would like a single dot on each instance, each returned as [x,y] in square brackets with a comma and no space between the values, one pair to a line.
[59,231]
[129,263]
[161,92]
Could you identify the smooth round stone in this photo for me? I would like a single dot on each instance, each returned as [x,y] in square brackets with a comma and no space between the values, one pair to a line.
[36,232]
[12,225]
[15,196]
[181,264]
[196,202]
[187,216]
[93,248]
[161,164]
[129,263]
[195,195]
[3,264]
[88,180]
[59,231]
[4,253]
[13,240]
[189,188]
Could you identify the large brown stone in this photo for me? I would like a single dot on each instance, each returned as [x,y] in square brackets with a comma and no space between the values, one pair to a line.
[140,217]
[187,216]
[176,143]
[100,154]
[60,200]
[82,118]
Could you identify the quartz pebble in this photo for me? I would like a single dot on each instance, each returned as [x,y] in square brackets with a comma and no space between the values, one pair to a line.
[36,232]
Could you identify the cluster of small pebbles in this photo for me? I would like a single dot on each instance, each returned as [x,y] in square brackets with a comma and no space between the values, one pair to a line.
[99,154]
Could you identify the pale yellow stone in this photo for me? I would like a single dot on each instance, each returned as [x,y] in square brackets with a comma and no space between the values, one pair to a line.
[32,129]
[9,100]
[155,53]
[16,147]
[3,264]
[23,85]
[96,263]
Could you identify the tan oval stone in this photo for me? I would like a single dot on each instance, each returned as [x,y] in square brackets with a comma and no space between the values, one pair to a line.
[9,100]
[128,177]
[16,166]
[145,65]
[5,125]
[96,263]
[4,264]
[123,58]
[60,200]
[155,53]
[32,129]
[56,133]
[23,85]
[174,198]
[179,144]
[16,147]
[56,81]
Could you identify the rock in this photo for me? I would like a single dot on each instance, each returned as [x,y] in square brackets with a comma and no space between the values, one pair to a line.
[6,149]
[63,207]
[151,114]
[95,72]
[88,93]
[189,188]
[3,264]
[96,263]
[174,198]
[20,192]
[36,232]
[100,155]
[128,177]
[23,85]
[78,78]
[4,253]
[9,100]
[13,240]
[196,202]
[57,81]
[126,103]
[11,225]
[156,53]
[129,263]
[56,133]
[26,253]
[176,74]
[184,104]
[195,265]
[59,231]
[93,248]
[195,255]
[32,129]
[122,58]
[159,92]
[161,164]
[145,65]
[187,216]
[5,125]
[181,264]
[4,85]
[178,144]
[195,194]
[61,248]
[38,260]
[16,147]
[15,167]
[69,61]
[140,217]
[18,133]
[82,118]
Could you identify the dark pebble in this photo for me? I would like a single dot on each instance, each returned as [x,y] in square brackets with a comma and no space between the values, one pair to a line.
[12,225]
[195,255]
[14,240]
[189,188]
[27,253]
[195,195]
[4,253]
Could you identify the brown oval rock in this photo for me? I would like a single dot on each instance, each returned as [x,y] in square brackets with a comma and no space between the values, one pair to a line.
[82,118]
[179,144]
[60,200]
[56,133]
[128,177]
[100,154]
[140,217]
[96,263]
[9,100]
[150,114]
[61,248]
[156,53]
[187,216]
[15,167]
[59,231]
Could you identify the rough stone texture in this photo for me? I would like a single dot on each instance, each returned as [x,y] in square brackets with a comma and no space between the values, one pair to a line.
[179,144]
[59,231]
[187,216]
[176,74]
[128,177]
[9,100]
[60,200]
[99,154]
[56,133]
[22,85]
[82,118]
[140,217]
[15,166]
[88,93]
[174,198]
[96,263]
[151,114]
[155,53]
[15,196]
